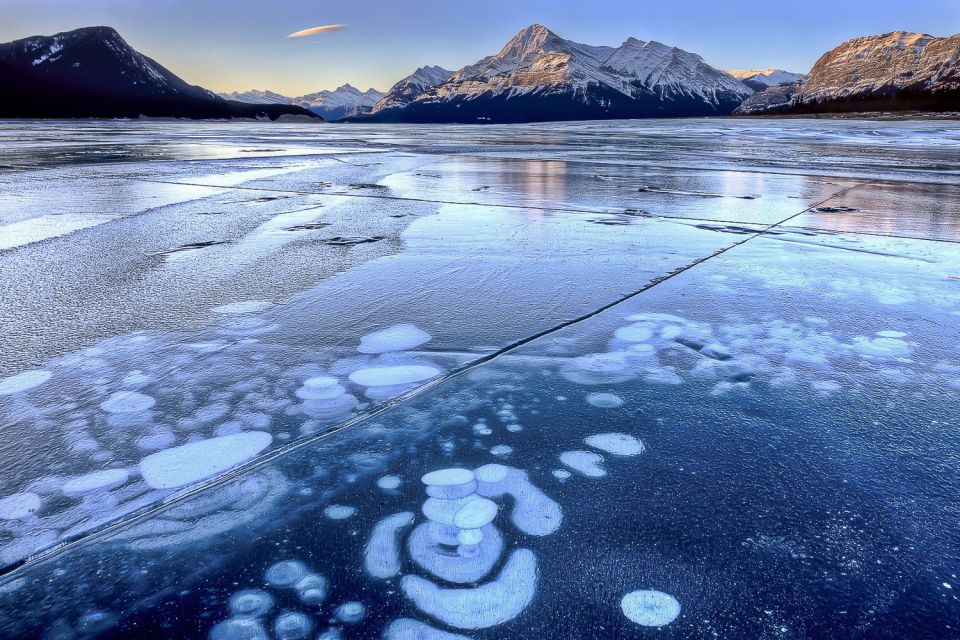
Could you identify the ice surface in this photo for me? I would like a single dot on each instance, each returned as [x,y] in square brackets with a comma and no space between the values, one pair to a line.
[245,306]
[339,511]
[19,505]
[196,461]
[399,337]
[97,480]
[127,402]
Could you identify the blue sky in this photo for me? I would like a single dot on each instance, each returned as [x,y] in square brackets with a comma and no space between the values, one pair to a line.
[242,44]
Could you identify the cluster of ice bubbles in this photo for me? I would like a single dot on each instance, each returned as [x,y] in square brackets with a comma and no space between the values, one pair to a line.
[189,413]
[251,608]
[460,544]
[658,347]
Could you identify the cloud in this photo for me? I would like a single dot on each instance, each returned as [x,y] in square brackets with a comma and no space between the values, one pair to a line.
[312,31]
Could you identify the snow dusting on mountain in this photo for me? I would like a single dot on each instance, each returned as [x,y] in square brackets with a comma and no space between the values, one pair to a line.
[412,86]
[343,102]
[257,96]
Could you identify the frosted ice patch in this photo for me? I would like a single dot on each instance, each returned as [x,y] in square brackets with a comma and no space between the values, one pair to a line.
[586,463]
[605,400]
[245,306]
[98,480]
[650,608]
[19,505]
[634,333]
[891,334]
[619,444]
[339,512]
[127,402]
[488,605]
[393,375]
[409,629]
[23,381]
[190,463]
[399,337]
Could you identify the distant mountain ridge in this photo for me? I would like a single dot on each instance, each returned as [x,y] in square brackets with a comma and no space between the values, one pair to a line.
[332,105]
[893,71]
[93,72]
[760,79]
[538,75]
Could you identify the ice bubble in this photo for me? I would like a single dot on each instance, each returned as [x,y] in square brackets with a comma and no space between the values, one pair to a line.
[211,412]
[470,537]
[882,347]
[23,381]
[716,352]
[350,612]
[891,334]
[393,375]
[561,474]
[650,608]
[27,545]
[127,402]
[662,375]
[250,603]
[443,510]
[245,306]
[501,450]
[654,317]
[158,439]
[433,554]
[825,387]
[19,505]
[586,463]
[605,400]
[410,629]
[533,512]
[312,589]
[599,368]
[286,573]
[481,429]
[330,409]
[514,428]
[634,333]
[619,444]
[452,491]
[239,629]
[190,463]
[476,514]
[399,337]
[387,392]
[389,483]
[339,512]
[98,480]
[488,605]
[292,625]
[330,634]
[447,477]
[95,623]
[381,556]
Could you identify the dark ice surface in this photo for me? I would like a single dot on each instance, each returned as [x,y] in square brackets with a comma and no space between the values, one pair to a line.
[698,378]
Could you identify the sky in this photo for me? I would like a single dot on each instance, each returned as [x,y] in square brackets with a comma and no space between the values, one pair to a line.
[242,44]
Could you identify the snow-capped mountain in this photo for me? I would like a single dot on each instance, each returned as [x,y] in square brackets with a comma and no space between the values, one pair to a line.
[540,76]
[893,71]
[257,96]
[407,90]
[760,79]
[93,72]
[343,102]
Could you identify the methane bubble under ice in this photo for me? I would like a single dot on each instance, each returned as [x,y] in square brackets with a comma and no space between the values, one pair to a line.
[399,337]
[381,557]
[410,629]
[190,463]
[605,400]
[586,463]
[619,444]
[487,605]
[383,376]
[650,608]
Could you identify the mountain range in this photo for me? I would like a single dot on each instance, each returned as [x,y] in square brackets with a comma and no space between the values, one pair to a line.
[538,75]
[94,73]
[891,72]
[343,102]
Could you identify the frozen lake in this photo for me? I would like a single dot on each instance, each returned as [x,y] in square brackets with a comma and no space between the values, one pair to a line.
[671,379]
